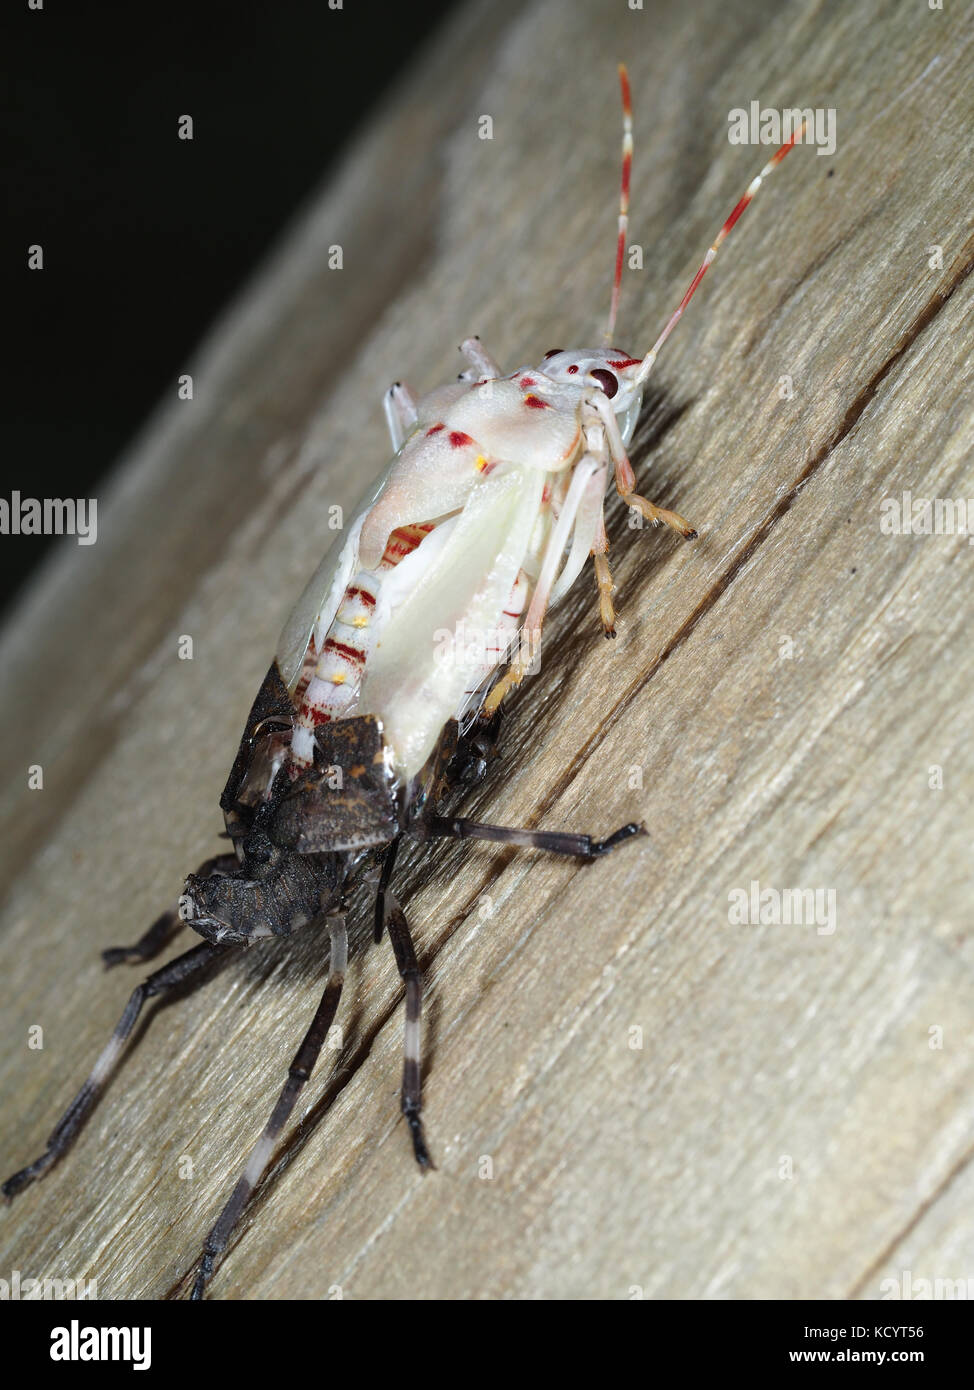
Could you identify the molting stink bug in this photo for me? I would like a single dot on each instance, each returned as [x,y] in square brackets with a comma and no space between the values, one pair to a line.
[488,513]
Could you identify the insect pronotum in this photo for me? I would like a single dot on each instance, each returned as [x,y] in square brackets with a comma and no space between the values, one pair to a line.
[492,504]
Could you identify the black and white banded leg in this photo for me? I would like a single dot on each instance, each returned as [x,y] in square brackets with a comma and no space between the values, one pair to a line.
[168,924]
[554,841]
[390,917]
[382,891]
[298,1073]
[189,968]
[394,920]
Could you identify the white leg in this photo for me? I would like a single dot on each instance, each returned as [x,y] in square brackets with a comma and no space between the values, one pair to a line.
[586,468]
[400,408]
[482,365]
[586,534]
[626,479]
[603,579]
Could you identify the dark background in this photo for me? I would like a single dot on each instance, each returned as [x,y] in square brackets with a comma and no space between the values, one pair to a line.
[147,236]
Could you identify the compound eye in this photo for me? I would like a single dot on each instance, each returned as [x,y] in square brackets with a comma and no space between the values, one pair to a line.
[607,381]
[552,352]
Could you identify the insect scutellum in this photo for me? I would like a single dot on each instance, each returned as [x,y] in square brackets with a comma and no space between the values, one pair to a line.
[384,695]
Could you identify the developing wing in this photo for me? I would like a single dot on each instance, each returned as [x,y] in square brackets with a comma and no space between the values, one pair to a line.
[434,648]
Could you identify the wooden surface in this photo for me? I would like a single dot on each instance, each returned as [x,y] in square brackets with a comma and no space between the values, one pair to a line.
[765,1049]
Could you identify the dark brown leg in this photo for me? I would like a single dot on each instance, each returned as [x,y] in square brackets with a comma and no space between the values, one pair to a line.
[474,751]
[189,967]
[165,928]
[555,842]
[412,1095]
[298,1073]
[388,864]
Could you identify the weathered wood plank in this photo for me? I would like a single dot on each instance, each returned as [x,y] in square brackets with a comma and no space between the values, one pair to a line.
[795,766]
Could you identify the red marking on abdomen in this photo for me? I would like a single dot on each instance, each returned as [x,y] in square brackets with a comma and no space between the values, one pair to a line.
[459,440]
[435,429]
[343,649]
[353,591]
[536,403]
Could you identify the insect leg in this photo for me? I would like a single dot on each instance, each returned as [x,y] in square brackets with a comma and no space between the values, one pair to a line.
[626,478]
[555,842]
[389,915]
[408,966]
[589,538]
[586,468]
[165,927]
[482,365]
[400,408]
[388,864]
[189,967]
[298,1073]
[469,763]
[150,943]
[603,579]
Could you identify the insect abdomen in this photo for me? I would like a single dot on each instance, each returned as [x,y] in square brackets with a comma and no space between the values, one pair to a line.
[335,664]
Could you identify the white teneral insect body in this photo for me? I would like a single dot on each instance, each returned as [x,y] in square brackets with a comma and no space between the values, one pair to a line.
[386,686]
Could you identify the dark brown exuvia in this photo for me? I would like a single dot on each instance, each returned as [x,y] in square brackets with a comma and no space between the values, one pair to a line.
[299,846]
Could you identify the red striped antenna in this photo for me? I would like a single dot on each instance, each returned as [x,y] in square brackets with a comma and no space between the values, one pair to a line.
[623,200]
[752,188]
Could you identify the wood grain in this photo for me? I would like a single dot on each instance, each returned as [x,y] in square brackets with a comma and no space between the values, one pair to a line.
[777,697]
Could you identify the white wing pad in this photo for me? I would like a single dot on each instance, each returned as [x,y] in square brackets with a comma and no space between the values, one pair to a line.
[425,660]
[525,418]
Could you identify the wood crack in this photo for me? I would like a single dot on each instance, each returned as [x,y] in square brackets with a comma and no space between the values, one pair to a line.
[887,1251]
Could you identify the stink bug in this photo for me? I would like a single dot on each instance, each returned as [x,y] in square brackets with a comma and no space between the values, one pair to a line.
[486,516]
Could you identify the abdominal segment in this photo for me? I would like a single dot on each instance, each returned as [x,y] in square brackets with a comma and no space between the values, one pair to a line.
[335,661]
